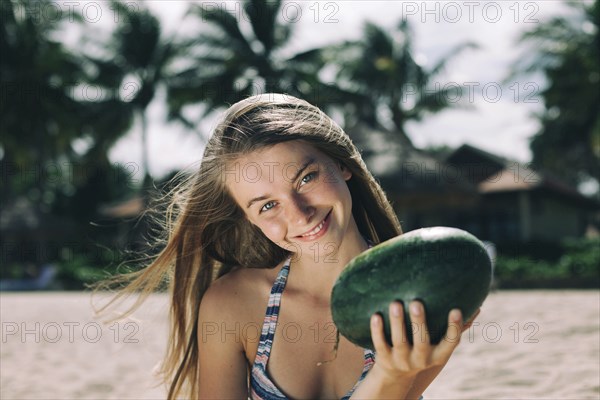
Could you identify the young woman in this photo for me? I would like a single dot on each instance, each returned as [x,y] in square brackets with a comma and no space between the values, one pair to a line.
[282,201]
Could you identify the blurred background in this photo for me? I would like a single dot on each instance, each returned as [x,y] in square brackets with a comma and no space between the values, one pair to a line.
[480,115]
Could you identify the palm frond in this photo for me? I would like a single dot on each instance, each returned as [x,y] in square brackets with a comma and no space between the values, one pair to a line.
[263,18]
[228,24]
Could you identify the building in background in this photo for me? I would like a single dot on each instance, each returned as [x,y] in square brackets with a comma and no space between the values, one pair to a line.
[496,199]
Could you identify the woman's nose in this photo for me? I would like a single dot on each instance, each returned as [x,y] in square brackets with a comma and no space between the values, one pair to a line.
[300,211]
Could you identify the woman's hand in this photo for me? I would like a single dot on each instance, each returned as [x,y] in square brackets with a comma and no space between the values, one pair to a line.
[422,361]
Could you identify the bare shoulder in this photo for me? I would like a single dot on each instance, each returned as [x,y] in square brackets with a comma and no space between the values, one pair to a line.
[238,295]
[231,303]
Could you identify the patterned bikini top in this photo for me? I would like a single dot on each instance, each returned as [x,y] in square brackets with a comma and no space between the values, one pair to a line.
[261,386]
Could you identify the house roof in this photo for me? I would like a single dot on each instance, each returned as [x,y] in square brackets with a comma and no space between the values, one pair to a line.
[499,174]
[401,168]
[472,155]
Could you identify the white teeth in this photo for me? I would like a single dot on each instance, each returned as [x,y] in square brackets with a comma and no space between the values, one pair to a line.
[316,230]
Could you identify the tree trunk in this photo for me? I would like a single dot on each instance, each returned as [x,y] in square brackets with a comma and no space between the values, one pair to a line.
[145,164]
[399,121]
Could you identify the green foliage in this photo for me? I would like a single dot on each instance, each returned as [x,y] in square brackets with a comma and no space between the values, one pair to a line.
[579,265]
[567,52]
[79,269]
[40,118]
[231,63]
[13,271]
[582,258]
[137,59]
[379,70]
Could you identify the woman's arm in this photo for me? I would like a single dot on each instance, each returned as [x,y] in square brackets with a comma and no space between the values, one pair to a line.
[402,371]
[223,367]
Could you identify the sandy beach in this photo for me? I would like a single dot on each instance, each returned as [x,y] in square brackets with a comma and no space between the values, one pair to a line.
[526,345]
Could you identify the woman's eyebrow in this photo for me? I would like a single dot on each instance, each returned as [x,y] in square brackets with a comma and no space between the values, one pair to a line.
[259,198]
[308,161]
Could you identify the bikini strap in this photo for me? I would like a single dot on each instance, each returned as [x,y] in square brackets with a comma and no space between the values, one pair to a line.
[271,315]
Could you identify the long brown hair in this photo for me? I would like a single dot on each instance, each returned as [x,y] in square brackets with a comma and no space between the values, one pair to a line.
[206,235]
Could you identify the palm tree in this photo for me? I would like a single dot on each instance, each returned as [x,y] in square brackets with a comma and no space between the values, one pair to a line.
[373,73]
[383,75]
[40,117]
[47,194]
[232,64]
[140,60]
[567,52]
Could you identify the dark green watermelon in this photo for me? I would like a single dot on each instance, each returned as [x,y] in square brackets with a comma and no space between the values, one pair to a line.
[443,267]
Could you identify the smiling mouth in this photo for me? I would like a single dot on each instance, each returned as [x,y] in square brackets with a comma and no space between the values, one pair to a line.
[317,229]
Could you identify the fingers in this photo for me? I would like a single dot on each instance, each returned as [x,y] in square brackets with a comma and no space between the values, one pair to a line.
[398,327]
[452,337]
[421,337]
[421,354]
[400,346]
[399,335]
[377,335]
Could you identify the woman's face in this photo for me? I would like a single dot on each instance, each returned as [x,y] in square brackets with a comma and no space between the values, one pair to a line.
[295,194]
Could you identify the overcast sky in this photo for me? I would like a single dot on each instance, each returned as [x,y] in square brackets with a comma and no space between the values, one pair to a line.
[498,120]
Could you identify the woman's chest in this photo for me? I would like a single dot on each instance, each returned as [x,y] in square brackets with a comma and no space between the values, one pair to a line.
[306,359]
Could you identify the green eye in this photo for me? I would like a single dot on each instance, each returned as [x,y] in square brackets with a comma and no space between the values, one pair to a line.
[267,206]
[309,177]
